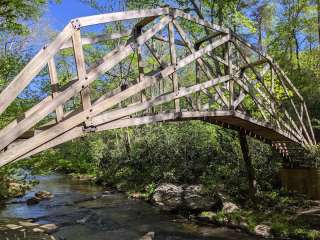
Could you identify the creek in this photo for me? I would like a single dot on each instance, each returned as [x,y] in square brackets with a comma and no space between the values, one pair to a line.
[111,215]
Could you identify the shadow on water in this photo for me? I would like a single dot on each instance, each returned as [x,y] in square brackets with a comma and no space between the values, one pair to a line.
[112,216]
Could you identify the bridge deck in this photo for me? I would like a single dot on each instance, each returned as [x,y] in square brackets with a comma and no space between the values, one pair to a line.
[229,119]
[258,128]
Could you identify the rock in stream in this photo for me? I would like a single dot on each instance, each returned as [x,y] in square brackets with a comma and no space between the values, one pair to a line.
[170,197]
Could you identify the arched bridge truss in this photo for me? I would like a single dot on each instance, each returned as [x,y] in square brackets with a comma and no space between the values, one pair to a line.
[160,65]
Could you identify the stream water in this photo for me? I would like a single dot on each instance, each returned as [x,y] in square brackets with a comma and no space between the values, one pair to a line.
[112,216]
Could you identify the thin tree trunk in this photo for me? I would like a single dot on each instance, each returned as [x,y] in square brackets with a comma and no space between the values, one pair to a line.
[127,144]
[318,7]
[260,36]
[248,165]
[297,49]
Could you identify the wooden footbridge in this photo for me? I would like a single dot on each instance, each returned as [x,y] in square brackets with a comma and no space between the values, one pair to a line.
[159,65]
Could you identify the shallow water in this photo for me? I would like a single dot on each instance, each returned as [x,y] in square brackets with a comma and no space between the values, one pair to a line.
[112,216]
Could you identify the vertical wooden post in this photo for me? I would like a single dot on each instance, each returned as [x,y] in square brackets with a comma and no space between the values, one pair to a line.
[272,79]
[81,70]
[231,81]
[161,81]
[54,87]
[309,123]
[173,55]
[248,165]
[301,117]
[140,64]
[272,87]
[198,102]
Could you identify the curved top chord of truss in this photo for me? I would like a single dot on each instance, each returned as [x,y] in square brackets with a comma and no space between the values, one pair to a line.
[156,69]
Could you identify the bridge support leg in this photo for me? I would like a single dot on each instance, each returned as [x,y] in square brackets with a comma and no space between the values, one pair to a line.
[248,165]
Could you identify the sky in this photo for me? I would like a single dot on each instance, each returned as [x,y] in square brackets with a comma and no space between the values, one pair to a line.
[60,14]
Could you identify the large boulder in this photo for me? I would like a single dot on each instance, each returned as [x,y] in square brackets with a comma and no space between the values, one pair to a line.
[168,197]
[195,199]
[148,236]
[49,228]
[192,198]
[262,230]
[229,207]
[33,200]
[44,195]
[28,224]
[13,226]
[39,196]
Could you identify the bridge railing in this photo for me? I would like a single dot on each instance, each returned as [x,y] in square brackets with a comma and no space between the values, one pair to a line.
[284,104]
[229,74]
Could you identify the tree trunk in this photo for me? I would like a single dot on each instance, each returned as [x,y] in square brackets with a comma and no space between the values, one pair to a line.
[248,165]
[260,36]
[127,144]
[297,48]
[318,7]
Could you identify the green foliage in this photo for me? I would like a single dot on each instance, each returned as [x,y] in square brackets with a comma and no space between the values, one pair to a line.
[150,189]
[160,153]
[14,14]
[14,182]
[240,18]
[4,186]
[10,66]
[280,229]
[314,155]
[282,224]
[284,229]
[78,156]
